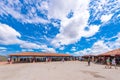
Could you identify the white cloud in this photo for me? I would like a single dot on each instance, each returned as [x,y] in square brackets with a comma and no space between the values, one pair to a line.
[92,30]
[50,50]
[24,44]
[55,24]
[62,48]
[47,49]
[24,50]
[60,9]
[73,34]
[72,29]
[8,35]
[3,48]
[114,44]
[44,5]
[14,7]
[104,9]
[73,49]
[97,48]
[106,18]
[56,9]
[68,53]
[101,46]
[118,15]
[27,46]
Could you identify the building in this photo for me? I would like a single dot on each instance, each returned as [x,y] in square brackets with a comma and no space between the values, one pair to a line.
[111,53]
[38,57]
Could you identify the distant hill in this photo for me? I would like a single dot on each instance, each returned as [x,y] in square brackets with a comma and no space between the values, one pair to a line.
[3,58]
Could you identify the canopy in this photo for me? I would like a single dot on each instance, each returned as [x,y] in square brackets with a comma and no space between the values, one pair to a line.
[111,53]
[34,54]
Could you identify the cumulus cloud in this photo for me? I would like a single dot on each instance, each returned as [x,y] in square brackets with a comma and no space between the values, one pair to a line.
[29,14]
[101,46]
[118,15]
[62,48]
[114,44]
[106,18]
[73,49]
[103,9]
[3,49]
[91,31]
[71,29]
[73,34]
[97,48]
[47,49]
[9,36]
[25,44]
[27,50]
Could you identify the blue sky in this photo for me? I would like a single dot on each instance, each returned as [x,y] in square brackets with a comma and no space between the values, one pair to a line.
[76,27]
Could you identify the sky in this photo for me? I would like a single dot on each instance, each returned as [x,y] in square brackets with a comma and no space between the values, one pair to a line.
[76,27]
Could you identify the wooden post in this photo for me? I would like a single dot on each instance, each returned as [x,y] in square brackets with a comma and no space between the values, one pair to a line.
[34,59]
[17,58]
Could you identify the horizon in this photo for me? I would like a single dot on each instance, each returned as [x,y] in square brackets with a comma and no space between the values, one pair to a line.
[70,27]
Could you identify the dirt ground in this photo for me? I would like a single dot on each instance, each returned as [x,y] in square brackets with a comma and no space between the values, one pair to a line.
[71,70]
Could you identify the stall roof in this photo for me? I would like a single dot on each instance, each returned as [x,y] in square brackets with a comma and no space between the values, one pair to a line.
[111,53]
[40,54]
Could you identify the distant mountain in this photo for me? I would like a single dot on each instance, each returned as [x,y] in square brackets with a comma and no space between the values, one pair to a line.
[3,58]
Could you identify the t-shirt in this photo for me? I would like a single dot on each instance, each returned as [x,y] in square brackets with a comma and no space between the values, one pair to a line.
[108,60]
[113,61]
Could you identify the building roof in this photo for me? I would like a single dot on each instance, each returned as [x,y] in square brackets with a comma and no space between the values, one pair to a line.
[40,54]
[111,53]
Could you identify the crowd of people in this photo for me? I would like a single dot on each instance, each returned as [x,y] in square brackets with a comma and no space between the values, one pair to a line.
[37,59]
[108,61]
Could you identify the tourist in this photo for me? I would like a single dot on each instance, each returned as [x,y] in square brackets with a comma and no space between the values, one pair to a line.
[108,65]
[63,59]
[46,59]
[114,63]
[89,60]
[9,60]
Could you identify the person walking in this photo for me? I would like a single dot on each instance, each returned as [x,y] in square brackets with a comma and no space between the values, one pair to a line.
[114,63]
[8,60]
[46,59]
[108,65]
[89,60]
[63,59]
